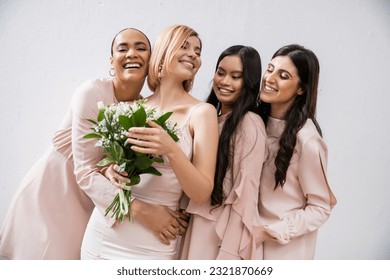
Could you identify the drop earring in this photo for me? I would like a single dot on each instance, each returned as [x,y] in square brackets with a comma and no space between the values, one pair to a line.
[160,66]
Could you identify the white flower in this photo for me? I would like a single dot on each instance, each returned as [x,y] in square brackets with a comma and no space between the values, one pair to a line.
[100,105]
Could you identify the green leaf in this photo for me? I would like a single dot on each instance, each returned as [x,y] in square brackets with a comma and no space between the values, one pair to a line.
[134,180]
[158,159]
[173,135]
[125,122]
[162,119]
[138,154]
[92,121]
[92,135]
[105,161]
[100,116]
[129,152]
[117,151]
[143,162]
[139,117]
[151,170]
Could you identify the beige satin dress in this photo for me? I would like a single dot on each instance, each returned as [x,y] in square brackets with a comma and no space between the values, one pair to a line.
[226,232]
[293,214]
[49,212]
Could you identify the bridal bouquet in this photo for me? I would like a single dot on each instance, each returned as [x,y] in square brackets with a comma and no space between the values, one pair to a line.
[110,127]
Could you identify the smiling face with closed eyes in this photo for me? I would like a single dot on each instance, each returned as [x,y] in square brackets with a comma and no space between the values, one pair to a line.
[280,85]
[187,61]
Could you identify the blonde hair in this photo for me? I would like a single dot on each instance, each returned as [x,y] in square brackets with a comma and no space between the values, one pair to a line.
[167,44]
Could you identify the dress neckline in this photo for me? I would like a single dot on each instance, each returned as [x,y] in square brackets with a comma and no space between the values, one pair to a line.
[275,127]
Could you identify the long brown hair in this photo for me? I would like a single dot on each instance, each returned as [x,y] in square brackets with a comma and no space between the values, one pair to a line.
[303,108]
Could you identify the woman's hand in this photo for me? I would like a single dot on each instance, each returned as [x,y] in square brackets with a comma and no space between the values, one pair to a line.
[151,140]
[161,220]
[261,235]
[118,179]
[183,220]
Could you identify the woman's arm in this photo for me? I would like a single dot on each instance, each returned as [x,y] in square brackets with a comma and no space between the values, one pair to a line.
[163,222]
[196,177]
[319,197]
[86,154]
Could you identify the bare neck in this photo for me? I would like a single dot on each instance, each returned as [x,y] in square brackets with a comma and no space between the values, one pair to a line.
[169,95]
[127,91]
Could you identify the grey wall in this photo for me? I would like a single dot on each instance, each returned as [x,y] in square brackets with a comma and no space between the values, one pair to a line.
[47,48]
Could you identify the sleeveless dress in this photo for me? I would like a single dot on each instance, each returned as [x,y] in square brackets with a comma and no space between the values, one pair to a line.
[131,240]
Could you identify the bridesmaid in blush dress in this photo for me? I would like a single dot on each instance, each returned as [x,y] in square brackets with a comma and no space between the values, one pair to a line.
[295,198]
[174,62]
[49,212]
[222,227]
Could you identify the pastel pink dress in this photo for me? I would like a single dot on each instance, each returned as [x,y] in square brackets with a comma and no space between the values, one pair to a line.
[49,212]
[226,232]
[293,214]
[131,240]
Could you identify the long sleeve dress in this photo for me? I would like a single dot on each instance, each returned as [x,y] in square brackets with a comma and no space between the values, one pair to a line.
[49,212]
[293,214]
[226,232]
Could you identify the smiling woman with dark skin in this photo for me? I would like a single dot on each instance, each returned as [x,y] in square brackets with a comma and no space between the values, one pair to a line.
[49,213]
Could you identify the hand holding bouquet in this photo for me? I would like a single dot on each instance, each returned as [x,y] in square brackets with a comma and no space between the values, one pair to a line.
[110,127]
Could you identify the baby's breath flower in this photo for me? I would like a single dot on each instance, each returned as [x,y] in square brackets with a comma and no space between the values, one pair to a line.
[100,105]
[114,122]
